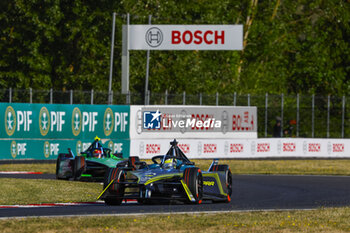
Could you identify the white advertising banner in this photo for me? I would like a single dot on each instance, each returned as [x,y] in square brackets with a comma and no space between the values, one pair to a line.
[185,37]
[192,122]
[246,148]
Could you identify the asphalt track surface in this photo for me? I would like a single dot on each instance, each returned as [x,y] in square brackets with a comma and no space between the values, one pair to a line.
[251,192]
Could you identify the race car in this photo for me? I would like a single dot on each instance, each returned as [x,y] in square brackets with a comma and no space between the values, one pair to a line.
[91,165]
[171,177]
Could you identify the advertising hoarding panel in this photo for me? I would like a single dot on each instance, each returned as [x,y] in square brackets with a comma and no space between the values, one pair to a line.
[184,121]
[64,121]
[185,37]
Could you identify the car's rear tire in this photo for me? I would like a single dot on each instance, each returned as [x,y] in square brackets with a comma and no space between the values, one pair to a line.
[79,167]
[115,191]
[194,180]
[228,178]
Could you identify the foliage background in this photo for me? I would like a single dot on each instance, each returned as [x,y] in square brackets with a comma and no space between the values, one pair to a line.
[290,46]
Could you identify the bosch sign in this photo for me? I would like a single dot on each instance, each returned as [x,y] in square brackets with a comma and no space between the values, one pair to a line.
[198,37]
[185,37]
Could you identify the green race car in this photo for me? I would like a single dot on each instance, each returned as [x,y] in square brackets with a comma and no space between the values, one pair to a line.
[90,165]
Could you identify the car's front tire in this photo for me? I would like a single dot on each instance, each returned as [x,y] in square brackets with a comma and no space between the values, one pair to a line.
[194,180]
[59,160]
[79,167]
[115,191]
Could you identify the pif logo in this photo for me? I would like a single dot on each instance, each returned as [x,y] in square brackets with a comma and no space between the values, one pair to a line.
[51,149]
[18,149]
[46,149]
[13,149]
[115,147]
[151,120]
[108,122]
[76,121]
[79,147]
[10,120]
[44,121]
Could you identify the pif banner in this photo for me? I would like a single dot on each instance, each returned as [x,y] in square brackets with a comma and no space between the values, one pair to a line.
[51,148]
[60,121]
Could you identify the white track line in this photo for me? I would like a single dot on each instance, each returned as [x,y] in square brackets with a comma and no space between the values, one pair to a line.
[161,213]
[46,205]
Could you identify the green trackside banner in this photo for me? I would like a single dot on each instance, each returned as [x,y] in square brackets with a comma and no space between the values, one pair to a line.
[49,149]
[42,131]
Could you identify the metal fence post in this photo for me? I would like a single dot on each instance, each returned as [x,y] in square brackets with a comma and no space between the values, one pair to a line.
[266,108]
[10,95]
[30,95]
[51,96]
[148,97]
[147,68]
[166,97]
[282,103]
[234,99]
[71,97]
[200,98]
[92,97]
[128,98]
[313,116]
[111,98]
[217,99]
[111,59]
[248,100]
[184,98]
[297,133]
[328,108]
[343,117]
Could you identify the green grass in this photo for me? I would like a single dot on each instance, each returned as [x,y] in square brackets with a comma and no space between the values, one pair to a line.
[47,168]
[322,220]
[31,191]
[292,167]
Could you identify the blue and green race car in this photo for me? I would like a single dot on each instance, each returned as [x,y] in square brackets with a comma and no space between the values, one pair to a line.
[90,165]
[171,177]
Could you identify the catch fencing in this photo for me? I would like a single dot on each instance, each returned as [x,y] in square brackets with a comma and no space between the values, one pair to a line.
[301,115]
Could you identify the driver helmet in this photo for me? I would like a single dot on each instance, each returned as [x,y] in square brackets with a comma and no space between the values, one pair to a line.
[97,153]
[169,163]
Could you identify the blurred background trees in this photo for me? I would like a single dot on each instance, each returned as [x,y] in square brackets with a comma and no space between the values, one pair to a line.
[289,46]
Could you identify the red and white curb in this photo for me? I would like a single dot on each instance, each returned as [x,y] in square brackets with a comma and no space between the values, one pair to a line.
[59,204]
[17,172]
